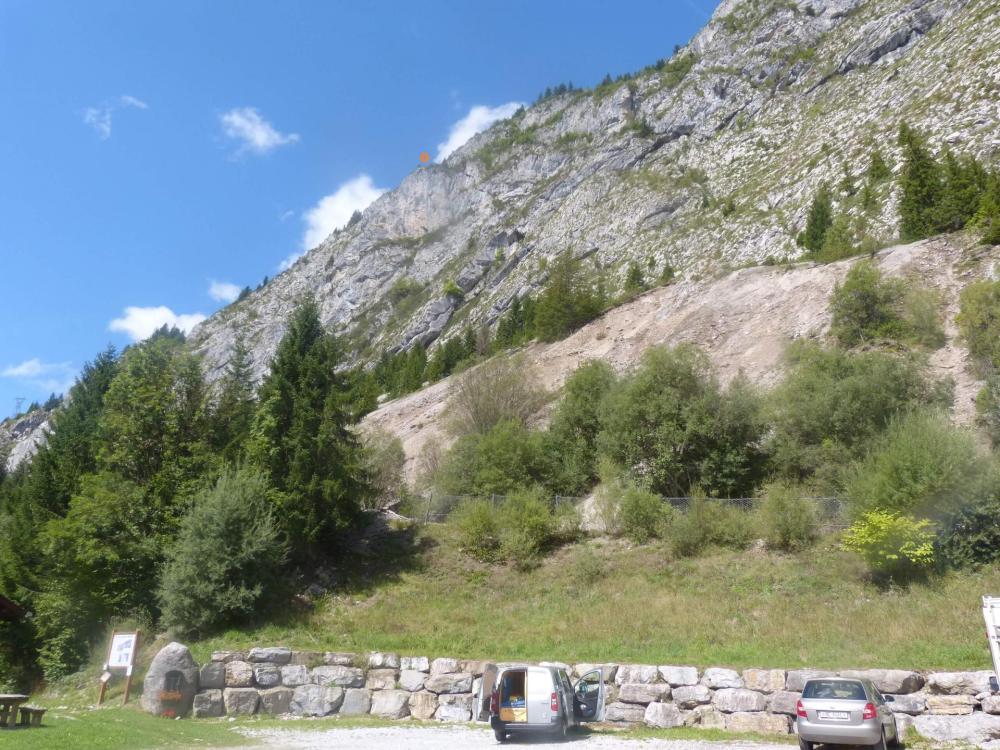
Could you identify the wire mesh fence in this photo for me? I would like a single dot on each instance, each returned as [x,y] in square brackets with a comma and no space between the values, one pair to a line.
[435,508]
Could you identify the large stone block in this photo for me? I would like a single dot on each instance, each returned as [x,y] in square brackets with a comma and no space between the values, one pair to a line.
[381,679]
[339,659]
[631,713]
[637,692]
[706,717]
[240,701]
[678,676]
[977,729]
[415,663]
[293,675]
[412,680]
[345,677]
[733,700]
[608,671]
[663,715]
[460,682]
[454,708]
[239,674]
[895,681]
[380,660]
[764,680]
[689,696]
[423,705]
[783,702]
[909,704]
[637,673]
[267,675]
[271,654]
[717,678]
[227,656]
[950,705]
[276,701]
[316,700]
[443,665]
[959,683]
[991,704]
[171,682]
[308,659]
[391,704]
[357,701]
[212,676]
[477,668]
[903,723]
[760,723]
[208,704]
[796,679]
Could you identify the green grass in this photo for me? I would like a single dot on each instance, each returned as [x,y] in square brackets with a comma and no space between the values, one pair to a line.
[606,601]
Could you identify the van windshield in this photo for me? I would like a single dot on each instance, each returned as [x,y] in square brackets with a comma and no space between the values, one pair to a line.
[846,690]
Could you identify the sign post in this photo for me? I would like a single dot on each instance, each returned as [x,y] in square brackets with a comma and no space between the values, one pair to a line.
[121,657]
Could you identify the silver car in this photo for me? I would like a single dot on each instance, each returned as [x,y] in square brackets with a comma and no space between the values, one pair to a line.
[842,711]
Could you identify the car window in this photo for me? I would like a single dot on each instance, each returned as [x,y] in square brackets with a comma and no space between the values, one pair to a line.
[847,690]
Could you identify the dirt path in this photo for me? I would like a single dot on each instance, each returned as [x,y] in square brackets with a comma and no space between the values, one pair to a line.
[743,321]
[467,738]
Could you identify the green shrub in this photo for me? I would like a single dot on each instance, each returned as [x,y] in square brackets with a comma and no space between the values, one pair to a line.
[787,520]
[709,522]
[478,528]
[641,514]
[866,306]
[896,547]
[922,318]
[507,458]
[979,323]
[502,389]
[971,535]
[453,290]
[225,567]
[527,527]
[988,408]
[921,465]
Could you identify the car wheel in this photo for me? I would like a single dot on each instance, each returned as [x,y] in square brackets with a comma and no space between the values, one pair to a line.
[803,745]
[880,745]
[500,735]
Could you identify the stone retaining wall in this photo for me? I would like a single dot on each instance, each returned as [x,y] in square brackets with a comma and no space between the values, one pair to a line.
[277,680]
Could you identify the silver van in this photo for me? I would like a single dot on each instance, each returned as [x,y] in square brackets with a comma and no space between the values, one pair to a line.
[523,699]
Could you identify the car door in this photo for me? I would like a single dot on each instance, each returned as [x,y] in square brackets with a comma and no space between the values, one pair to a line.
[486,687]
[588,693]
[884,711]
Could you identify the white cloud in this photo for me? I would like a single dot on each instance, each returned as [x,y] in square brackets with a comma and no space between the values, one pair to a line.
[45,377]
[253,132]
[479,118]
[335,210]
[141,322]
[100,117]
[223,291]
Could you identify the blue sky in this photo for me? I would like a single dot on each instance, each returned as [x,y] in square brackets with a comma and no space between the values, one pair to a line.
[157,156]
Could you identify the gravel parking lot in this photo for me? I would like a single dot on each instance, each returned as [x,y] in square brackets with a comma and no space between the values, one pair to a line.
[466,738]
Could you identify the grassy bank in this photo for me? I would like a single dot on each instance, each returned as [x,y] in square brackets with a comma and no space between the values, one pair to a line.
[607,601]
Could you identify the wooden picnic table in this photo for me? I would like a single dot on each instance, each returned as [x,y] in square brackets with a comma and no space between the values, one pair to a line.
[9,703]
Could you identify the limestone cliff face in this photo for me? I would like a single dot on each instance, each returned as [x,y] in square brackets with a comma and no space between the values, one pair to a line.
[21,436]
[708,162]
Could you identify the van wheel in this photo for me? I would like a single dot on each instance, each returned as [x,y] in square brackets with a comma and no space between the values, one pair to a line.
[500,735]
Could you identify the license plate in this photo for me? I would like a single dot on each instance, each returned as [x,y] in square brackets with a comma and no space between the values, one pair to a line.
[834,715]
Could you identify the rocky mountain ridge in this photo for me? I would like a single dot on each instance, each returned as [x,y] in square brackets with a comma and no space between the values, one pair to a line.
[705,162]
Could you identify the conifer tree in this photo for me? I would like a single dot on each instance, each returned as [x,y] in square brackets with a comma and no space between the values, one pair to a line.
[819,220]
[988,215]
[920,182]
[878,170]
[234,409]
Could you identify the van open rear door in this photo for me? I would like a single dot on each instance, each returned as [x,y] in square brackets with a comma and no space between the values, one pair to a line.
[486,686]
[991,613]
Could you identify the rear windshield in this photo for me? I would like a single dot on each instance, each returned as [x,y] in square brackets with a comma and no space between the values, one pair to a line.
[846,690]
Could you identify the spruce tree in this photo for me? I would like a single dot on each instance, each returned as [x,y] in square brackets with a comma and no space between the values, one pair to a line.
[988,216]
[878,170]
[302,439]
[964,182]
[568,301]
[819,220]
[920,183]
[234,409]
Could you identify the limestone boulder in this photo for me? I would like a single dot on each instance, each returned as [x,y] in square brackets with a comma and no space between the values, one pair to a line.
[631,713]
[454,708]
[339,659]
[477,668]
[663,716]
[293,675]
[171,682]
[345,677]
[239,674]
[391,704]
[759,723]
[637,674]
[276,701]
[678,676]
[225,657]
[415,663]
[912,704]
[950,705]
[796,679]
[959,683]
[266,675]
[357,702]
[718,678]
[316,700]
[381,679]
[208,704]
[608,671]
[459,682]
[977,729]
[764,680]
[638,692]
[412,680]
[423,705]
[707,717]
[783,702]
[444,666]
[380,660]
[272,655]
[895,681]
[991,704]
[240,701]
[735,700]
[689,696]
[308,659]
[212,676]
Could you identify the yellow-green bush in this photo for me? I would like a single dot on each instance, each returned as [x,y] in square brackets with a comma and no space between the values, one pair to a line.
[895,546]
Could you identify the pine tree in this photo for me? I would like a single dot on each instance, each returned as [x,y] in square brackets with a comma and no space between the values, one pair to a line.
[234,409]
[819,220]
[988,216]
[964,181]
[920,182]
[568,301]
[878,170]
[302,439]
[634,280]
